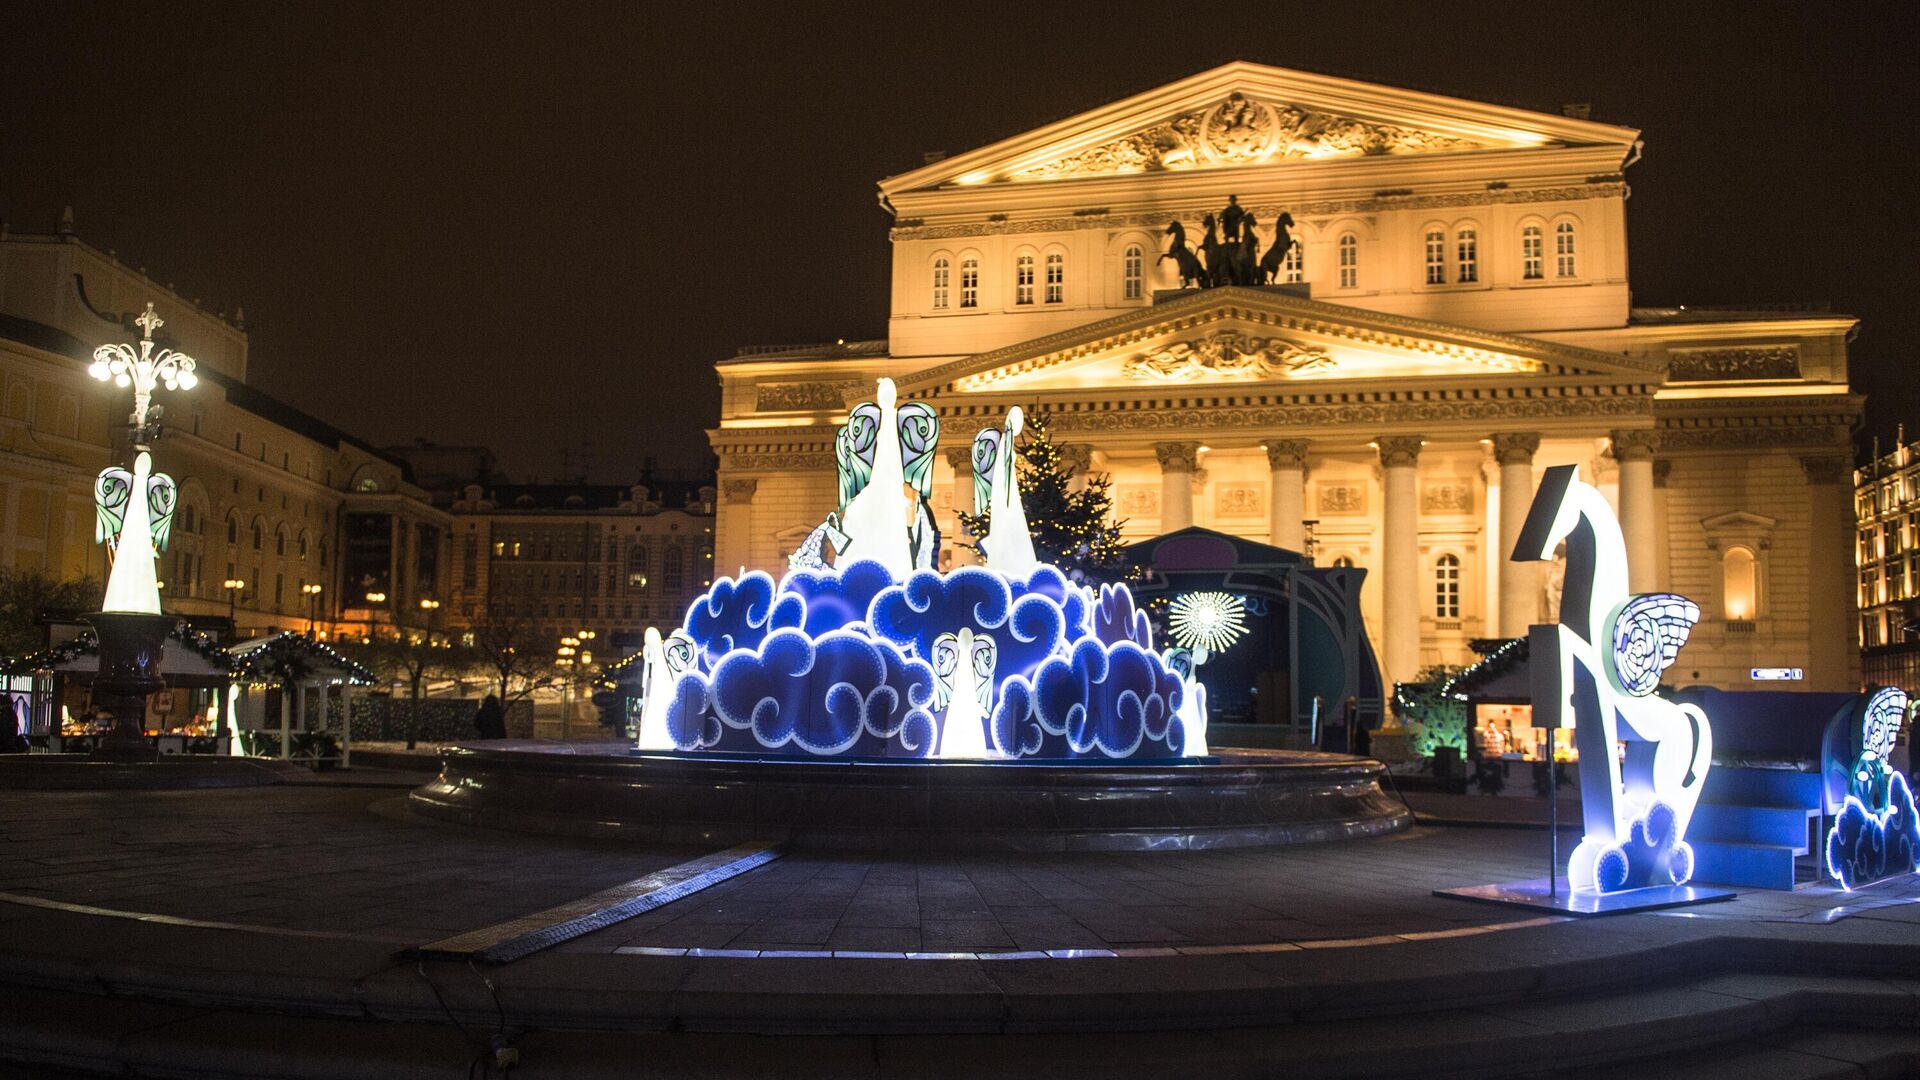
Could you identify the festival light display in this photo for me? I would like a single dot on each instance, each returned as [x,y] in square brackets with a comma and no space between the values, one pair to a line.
[1597,671]
[1208,621]
[1875,834]
[134,510]
[877,654]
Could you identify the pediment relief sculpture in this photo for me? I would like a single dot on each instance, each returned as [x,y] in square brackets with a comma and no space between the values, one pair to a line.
[1227,355]
[1241,131]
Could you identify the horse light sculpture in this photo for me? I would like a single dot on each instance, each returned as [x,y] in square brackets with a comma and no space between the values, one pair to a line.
[1597,670]
[1875,835]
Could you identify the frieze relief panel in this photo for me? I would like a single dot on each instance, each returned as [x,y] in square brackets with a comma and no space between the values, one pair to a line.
[1238,501]
[1226,355]
[1343,499]
[1744,362]
[1446,497]
[787,396]
[1137,501]
[1241,131]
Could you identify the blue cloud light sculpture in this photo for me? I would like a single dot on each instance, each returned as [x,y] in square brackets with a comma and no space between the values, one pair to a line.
[838,660]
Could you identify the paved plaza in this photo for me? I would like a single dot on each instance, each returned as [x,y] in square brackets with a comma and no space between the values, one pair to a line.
[149,928]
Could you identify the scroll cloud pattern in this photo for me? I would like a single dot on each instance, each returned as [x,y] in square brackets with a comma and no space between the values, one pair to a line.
[740,614]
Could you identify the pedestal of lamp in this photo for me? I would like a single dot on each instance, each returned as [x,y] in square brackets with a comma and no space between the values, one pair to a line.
[131,644]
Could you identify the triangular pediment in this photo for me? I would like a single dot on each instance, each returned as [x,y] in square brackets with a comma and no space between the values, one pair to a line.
[1245,115]
[1231,338]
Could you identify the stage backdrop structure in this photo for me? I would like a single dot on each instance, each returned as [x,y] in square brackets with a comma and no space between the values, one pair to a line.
[134,514]
[866,650]
[1598,671]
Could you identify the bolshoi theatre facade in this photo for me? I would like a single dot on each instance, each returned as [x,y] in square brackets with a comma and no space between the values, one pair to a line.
[1449,314]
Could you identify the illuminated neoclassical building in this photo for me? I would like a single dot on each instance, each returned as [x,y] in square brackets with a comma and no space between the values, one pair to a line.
[1455,317]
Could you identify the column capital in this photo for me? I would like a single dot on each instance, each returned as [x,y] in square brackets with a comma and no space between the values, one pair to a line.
[1177,457]
[1631,444]
[961,458]
[1827,468]
[1077,457]
[1399,450]
[741,488]
[1286,454]
[1515,447]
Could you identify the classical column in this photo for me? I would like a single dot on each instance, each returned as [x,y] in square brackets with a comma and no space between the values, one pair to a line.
[1400,564]
[736,508]
[1077,458]
[1177,462]
[1287,458]
[1633,449]
[1662,540]
[1831,607]
[1519,581]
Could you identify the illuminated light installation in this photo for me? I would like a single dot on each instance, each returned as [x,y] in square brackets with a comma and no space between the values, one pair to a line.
[1208,621]
[876,654]
[1875,835]
[134,510]
[1596,671]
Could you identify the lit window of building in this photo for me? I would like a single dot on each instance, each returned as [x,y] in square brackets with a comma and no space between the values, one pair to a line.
[1532,254]
[1349,261]
[1132,272]
[1564,264]
[1056,278]
[1436,257]
[940,272]
[1023,279]
[1446,587]
[1467,255]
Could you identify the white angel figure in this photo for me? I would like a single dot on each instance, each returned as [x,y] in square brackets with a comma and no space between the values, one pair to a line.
[963,685]
[1008,544]
[875,519]
[136,529]
[662,664]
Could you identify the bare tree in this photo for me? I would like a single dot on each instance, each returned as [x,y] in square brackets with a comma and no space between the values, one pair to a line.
[517,657]
[409,659]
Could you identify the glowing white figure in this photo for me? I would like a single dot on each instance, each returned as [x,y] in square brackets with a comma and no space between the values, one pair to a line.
[134,513]
[1008,544]
[876,520]
[661,664]
[1184,663]
[1601,664]
[963,672]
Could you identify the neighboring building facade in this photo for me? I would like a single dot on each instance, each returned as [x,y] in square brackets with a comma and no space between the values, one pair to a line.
[1887,505]
[568,557]
[1454,317]
[268,495]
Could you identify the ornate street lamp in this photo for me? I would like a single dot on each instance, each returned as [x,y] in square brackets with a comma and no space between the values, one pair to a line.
[134,514]
[233,585]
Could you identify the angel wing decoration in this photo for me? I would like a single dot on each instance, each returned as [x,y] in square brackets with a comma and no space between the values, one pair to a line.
[986,451]
[162,495]
[919,433]
[679,652]
[110,491]
[986,655]
[853,450]
[1646,635]
[947,658]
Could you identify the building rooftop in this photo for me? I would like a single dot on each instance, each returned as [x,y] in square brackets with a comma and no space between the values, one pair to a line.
[1712,313]
[829,350]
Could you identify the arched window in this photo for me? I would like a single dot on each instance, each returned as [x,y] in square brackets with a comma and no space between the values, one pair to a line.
[1349,261]
[1436,257]
[1132,272]
[940,271]
[1056,278]
[1467,255]
[671,571]
[233,529]
[1564,263]
[189,521]
[1446,587]
[1533,263]
[302,546]
[1740,584]
[636,568]
[1023,279]
[280,542]
[1293,268]
[1344,562]
[969,282]
[259,537]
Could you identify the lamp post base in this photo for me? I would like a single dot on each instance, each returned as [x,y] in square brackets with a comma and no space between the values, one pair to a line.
[131,645]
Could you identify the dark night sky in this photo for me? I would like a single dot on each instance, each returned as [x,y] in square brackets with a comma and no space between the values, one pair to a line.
[530,224]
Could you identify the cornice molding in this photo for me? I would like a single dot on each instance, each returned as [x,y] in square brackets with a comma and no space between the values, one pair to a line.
[1304,212]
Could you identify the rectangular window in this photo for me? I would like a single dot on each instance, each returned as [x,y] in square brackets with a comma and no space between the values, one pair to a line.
[1436,257]
[1532,261]
[1023,280]
[1564,263]
[1056,278]
[1349,261]
[970,283]
[940,272]
[1467,256]
[1131,273]
[1295,264]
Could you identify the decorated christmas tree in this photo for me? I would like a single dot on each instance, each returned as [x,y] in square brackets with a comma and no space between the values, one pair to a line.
[1073,530]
